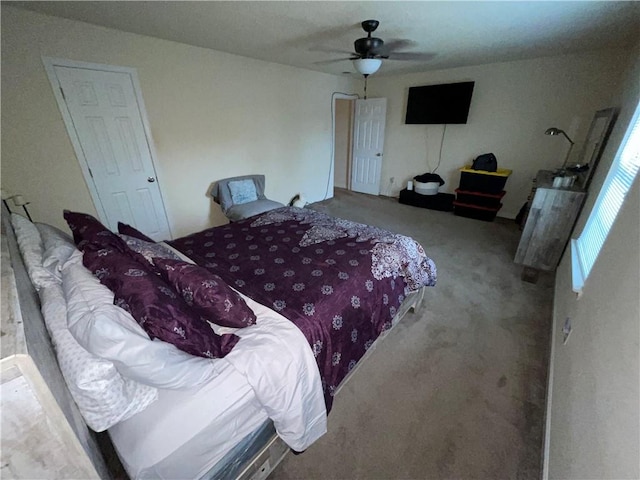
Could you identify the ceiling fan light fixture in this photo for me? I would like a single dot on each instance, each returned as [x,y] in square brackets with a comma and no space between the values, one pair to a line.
[367,66]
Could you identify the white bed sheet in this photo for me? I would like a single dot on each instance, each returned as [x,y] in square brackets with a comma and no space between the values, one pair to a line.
[184,433]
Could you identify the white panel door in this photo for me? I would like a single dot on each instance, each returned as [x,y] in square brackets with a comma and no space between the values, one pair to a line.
[368,143]
[107,120]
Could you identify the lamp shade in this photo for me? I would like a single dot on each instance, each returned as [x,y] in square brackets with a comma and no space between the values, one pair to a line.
[367,66]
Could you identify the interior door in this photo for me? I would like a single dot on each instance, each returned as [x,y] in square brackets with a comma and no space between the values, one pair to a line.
[107,119]
[368,143]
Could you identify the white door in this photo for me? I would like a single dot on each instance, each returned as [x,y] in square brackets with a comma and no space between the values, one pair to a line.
[368,143]
[107,122]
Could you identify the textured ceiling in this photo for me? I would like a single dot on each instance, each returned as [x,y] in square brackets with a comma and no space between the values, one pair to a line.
[312,34]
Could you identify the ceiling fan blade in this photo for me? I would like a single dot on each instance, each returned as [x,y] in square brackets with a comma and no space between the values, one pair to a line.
[393,45]
[397,44]
[330,50]
[335,60]
[415,56]
[373,47]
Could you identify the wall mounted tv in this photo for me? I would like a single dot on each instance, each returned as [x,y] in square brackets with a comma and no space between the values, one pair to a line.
[438,104]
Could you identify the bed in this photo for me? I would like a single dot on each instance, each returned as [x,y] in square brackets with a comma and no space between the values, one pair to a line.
[319,291]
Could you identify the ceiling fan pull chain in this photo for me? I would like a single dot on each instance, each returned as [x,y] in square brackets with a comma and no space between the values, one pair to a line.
[365,86]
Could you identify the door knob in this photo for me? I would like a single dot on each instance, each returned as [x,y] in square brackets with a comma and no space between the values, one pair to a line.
[378,154]
[151,179]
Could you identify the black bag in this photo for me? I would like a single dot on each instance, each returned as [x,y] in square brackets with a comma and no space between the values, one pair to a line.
[486,162]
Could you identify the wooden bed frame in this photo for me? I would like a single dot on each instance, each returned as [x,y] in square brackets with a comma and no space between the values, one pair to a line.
[45,376]
[26,320]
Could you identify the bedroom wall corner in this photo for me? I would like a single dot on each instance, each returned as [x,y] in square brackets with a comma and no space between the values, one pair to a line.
[38,160]
[513,104]
[343,113]
[593,406]
[212,115]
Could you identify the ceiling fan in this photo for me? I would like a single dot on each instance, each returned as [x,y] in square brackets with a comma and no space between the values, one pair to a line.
[370,51]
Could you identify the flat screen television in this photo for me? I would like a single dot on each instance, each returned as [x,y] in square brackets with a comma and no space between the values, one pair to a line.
[438,104]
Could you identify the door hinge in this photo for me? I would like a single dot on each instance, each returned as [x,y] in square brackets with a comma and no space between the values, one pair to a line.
[62,92]
[91,173]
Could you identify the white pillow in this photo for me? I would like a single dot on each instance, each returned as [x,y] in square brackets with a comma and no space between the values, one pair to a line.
[103,396]
[30,245]
[243,191]
[58,247]
[109,332]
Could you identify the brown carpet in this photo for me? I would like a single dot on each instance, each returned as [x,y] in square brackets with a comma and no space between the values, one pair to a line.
[457,390]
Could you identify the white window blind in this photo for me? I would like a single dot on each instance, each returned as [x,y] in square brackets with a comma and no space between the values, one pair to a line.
[622,173]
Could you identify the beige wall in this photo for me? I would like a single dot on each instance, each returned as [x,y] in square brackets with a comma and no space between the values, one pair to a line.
[343,134]
[594,403]
[212,115]
[513,104]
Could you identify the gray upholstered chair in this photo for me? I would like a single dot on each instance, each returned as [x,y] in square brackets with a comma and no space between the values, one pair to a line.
[242,197]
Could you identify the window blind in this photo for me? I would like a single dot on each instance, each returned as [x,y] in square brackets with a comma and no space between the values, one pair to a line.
[622,173]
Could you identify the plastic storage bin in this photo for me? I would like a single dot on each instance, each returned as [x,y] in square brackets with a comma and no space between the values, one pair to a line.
[440,201]
[479,199]
[429,188]
[488,214]
[427,183]
[482,181]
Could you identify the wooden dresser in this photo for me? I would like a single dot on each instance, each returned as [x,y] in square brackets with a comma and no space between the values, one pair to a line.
[552,215]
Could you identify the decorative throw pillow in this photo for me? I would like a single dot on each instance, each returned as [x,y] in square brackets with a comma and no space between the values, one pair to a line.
[58,247]
[154,304]
[109,332]
[103,396]
[207,293]
[125,229]
[31,249]
[243,191]
[149,250]
[87,229]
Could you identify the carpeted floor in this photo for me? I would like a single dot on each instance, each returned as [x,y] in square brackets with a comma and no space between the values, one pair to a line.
[457,390]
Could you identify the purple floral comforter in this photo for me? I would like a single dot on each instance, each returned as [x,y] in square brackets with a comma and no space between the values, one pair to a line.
[338,281]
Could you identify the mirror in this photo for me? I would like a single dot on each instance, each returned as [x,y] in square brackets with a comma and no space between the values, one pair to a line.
[593,146]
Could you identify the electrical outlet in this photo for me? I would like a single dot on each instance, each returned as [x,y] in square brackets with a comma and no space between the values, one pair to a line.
[392,179]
